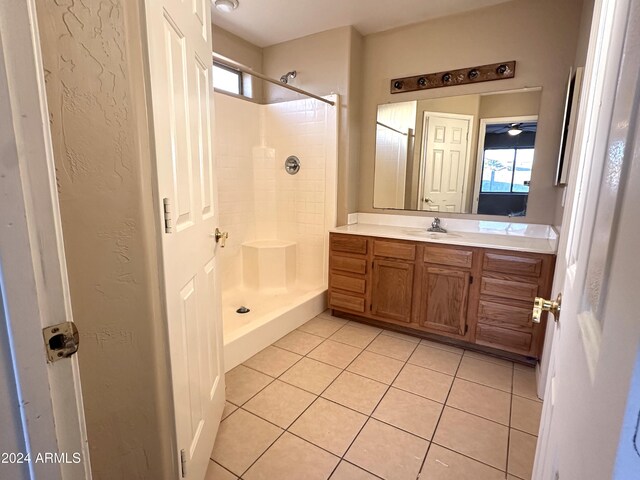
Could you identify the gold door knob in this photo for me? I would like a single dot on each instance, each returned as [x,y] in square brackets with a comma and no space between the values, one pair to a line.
[221,237]
[542,305]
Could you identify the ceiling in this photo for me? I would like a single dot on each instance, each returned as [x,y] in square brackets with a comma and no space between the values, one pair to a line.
[267,22]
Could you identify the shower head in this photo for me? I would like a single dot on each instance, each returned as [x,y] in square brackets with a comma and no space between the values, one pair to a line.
[285,78]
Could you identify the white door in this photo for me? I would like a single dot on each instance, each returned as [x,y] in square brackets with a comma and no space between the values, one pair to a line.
[596,341]
[444,158]
[179,43]
[41,411]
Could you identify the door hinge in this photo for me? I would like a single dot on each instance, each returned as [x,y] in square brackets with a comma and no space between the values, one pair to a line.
[470,279]
[60,341]
[183,463]
[166,204]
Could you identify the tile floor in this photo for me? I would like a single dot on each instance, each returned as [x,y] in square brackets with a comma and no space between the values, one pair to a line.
[346,401]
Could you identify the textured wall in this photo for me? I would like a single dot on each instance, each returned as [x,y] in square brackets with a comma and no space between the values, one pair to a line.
[95,87]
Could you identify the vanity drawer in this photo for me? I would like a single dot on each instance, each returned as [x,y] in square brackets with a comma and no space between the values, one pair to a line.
[510,289]
[448,256]
[503,338]
[402,251]
[512,264]
[348,244]
[512,316]
[349,264]
[350,284]
[342,301]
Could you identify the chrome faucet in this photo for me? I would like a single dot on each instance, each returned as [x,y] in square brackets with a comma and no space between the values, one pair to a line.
[435,226]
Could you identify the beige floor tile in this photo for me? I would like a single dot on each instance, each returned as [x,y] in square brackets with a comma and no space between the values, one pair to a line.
[355,336]
[322,326]
[525,415]
[329,425]
[511,477]
[443,464]
[377,367]
[401,336]
[424,382]
[388,452]
[409,412]
[291,458]
[299,342]
[311,375]
[522,451]
[242,383]
[473,436]
[334,353]
[216,472]
[435,359]
[488,358]
[272,361]
[441,346]
[241,439]
[347,471]
[280,403]
[480,400]
[229,408]
[365,326]
[486,373]
[356,392]
[392,347]
[524,368]
[524,384]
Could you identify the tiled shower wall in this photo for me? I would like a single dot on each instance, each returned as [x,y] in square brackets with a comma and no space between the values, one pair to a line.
[258,199]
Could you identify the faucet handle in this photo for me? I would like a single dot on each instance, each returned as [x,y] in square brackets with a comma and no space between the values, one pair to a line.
[436,222]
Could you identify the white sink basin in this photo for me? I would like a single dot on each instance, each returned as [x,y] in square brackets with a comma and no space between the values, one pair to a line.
[417,232]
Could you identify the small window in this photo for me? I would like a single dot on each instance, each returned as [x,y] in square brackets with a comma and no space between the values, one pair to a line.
[227,79]
[507,170]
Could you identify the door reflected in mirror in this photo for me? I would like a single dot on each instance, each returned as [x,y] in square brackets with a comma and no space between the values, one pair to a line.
[464,154]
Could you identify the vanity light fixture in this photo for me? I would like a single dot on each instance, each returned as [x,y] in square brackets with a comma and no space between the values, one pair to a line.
[226,5]
[461,76]
[514,129]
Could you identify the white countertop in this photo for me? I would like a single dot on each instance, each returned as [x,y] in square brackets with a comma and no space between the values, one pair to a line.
[502,235]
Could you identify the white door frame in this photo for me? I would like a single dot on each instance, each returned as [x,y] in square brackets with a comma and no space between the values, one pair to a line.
[482,131]
[423,144]
[33,276]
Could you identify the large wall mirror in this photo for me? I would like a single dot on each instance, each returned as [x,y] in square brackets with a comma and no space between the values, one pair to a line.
[462,154]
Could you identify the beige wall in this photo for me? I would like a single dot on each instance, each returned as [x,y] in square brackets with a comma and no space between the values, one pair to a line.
[580,61]
[96,97]
[541,36]
[231,46]
[327,62]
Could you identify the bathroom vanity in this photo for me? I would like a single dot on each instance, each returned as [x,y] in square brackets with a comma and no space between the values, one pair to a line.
[476,286]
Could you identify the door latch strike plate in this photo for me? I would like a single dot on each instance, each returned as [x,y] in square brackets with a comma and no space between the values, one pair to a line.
[60,341]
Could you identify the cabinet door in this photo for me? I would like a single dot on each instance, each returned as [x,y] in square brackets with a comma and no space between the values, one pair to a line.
[392,290]
[444,303]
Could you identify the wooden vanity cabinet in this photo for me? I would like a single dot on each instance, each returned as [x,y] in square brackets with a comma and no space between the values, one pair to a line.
[476,295]
[393,271]
[445,292]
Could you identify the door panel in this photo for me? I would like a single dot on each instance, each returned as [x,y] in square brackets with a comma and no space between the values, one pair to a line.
[180,53]
[444,305]
[445,159]
[392,290]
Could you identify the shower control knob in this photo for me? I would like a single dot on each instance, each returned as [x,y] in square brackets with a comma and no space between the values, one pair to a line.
[221,237]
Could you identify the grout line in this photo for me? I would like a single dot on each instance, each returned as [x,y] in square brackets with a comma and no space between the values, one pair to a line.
[435,430]
[302,413]
[369,417]
[506,467]
[389,386]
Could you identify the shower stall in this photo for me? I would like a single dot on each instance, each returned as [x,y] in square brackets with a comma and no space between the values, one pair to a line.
[274,264]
